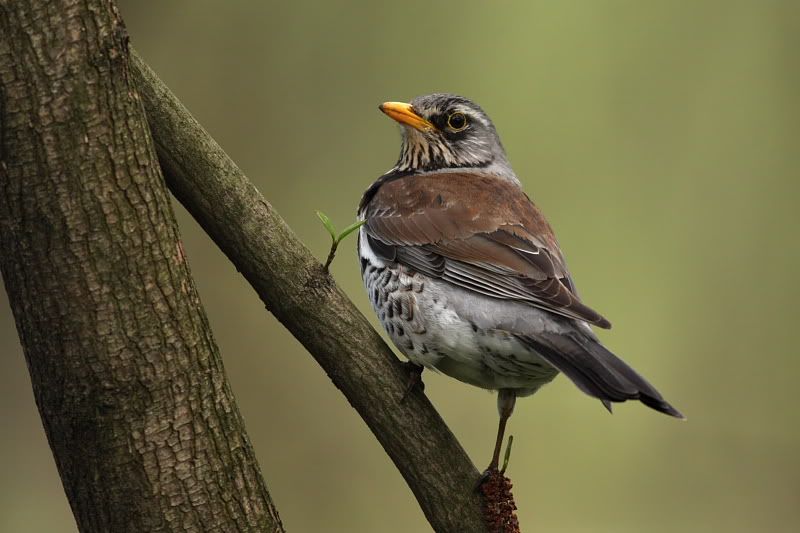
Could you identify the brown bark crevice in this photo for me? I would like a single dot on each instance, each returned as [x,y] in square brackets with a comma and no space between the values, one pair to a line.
[126,374]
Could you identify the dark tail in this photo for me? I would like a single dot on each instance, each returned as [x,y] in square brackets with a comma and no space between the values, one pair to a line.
[597,371]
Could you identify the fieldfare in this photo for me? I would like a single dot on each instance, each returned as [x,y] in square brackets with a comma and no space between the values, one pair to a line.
[465,273]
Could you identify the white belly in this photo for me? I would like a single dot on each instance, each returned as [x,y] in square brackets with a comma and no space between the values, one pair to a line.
[422,322]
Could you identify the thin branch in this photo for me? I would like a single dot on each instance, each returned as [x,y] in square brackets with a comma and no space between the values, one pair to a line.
[297,290]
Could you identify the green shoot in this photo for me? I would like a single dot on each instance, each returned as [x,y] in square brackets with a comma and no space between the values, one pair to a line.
[508,454]
[336,238]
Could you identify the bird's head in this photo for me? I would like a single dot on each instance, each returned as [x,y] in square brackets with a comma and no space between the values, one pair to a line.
[445,131]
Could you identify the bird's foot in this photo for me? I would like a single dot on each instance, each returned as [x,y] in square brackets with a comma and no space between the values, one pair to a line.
[493,471]
[414,379]
[484,478]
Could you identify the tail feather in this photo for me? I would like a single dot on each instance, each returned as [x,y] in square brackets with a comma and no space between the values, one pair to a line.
[597,371]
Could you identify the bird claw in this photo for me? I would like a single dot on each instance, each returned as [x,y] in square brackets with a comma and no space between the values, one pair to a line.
[487,474]
[493,469]
[414,379]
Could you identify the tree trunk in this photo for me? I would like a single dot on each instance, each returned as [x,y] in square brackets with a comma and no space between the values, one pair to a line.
[126,374]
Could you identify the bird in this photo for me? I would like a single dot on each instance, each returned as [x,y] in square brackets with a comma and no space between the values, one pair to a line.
[466,275]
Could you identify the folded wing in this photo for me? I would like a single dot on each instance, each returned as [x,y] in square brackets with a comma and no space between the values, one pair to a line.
[477,232]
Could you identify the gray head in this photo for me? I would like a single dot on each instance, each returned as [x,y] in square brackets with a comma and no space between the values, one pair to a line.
[444,131]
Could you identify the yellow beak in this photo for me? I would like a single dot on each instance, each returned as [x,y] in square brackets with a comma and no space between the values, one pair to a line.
[404,114]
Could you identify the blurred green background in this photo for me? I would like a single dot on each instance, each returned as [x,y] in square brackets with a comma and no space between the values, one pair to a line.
[662,139]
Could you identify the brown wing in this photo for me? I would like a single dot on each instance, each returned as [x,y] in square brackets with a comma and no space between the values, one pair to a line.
[475,231]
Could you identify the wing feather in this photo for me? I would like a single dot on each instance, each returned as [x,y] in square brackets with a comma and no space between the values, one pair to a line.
[477,232]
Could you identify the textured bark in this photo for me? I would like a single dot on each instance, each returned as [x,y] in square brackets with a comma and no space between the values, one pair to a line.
[127,377]
[297,290]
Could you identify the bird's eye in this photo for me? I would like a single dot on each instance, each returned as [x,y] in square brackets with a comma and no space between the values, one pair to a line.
[457,121]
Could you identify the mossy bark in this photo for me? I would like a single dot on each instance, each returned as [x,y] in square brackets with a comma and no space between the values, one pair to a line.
[125,371]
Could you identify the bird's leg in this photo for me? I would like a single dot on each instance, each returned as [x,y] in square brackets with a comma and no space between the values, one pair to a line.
[506,398]
[414,379]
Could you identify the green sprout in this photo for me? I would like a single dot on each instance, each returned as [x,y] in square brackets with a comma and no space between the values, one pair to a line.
[336,238]
[508,454]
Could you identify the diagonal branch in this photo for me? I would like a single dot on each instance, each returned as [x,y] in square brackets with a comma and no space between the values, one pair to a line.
[306,300]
